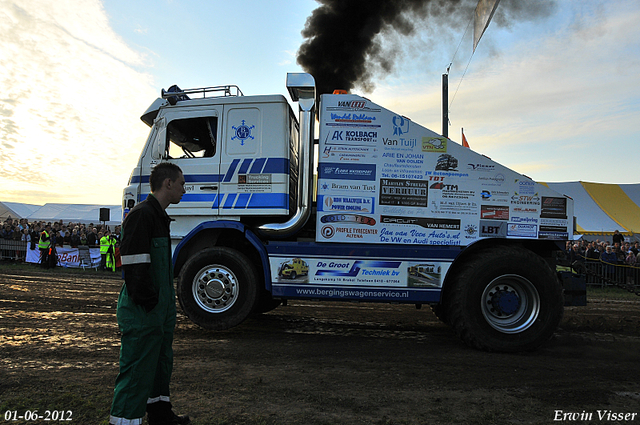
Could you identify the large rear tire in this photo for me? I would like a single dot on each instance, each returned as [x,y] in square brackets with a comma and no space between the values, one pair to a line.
[505,299]
[218,288]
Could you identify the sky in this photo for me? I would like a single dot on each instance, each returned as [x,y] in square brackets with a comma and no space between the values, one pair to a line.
[555,97]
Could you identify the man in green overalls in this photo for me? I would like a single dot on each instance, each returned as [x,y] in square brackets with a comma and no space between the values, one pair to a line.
[147,308]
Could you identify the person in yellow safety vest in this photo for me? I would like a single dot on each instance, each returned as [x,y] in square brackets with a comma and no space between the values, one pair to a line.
[111,252]
[44,243]
[104,248]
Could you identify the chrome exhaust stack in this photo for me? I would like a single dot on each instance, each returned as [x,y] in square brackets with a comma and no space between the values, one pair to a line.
[302,89]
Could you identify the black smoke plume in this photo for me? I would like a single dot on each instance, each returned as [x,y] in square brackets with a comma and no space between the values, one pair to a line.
[343,46]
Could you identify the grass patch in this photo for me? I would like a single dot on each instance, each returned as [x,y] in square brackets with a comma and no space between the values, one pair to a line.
[610,293]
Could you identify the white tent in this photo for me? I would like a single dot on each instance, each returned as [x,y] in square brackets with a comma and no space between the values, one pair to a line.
[76,213]
[16,210]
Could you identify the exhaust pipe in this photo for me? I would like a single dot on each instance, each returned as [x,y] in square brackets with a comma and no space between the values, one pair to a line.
[302,89]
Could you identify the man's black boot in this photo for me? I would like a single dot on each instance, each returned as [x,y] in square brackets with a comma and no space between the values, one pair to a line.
[160,413]
[180,419]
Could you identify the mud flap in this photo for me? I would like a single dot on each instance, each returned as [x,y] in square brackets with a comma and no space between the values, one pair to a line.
[575,288]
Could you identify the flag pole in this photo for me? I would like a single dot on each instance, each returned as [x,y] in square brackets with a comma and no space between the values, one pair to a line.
[445,105]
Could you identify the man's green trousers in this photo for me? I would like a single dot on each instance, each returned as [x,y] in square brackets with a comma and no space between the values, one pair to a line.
[146,354]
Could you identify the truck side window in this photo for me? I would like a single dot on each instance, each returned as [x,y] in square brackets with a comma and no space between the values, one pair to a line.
[193,137]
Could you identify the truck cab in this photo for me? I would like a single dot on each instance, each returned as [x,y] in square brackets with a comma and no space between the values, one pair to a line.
[238,155]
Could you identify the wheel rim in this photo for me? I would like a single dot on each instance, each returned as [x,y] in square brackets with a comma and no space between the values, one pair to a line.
[215,288]
[510,304]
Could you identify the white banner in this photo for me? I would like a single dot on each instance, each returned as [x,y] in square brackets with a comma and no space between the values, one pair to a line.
[69,257]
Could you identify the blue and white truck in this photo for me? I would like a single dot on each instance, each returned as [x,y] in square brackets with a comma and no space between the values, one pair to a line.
[394,213]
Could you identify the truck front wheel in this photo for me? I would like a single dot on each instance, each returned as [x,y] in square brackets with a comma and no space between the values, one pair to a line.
[505,299]
[217,288]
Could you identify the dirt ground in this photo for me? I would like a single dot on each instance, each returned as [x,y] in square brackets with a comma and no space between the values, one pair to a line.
[314,363]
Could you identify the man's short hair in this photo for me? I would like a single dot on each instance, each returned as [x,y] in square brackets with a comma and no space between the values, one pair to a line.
[161,172]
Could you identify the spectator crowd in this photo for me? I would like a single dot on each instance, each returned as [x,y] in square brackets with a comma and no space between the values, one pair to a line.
[618,252]
[70,234]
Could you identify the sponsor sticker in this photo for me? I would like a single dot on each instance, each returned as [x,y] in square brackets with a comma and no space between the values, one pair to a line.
[496,196]
[406,193]
[494,180]
[356,204]
[522,230]
[553,207]
[254,183]
[350,218]
[353,118]
[351,137]
[355,232]
[524,210]
[427,223]
[481,167]
[447,162]
[425,275]
[400,125]
[493,229]
[526,187]
[401,143]
[494,212]
[340,186]
[434,144]
[353,105]
[532,220]
[332,170]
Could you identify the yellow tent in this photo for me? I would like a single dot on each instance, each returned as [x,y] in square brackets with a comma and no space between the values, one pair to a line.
[602,208]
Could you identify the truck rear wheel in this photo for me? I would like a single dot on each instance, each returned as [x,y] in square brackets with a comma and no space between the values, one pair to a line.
[505,299]
[217,288]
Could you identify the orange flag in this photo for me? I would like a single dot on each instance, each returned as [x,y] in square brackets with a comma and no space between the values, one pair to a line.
[464,140]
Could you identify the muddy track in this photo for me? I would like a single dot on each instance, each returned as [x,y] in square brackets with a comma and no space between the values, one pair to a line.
[321,363]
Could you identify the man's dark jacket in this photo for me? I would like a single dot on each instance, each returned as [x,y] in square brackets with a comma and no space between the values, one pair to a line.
[145,251]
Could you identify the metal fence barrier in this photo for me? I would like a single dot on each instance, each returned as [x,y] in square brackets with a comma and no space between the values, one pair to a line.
[13,250]
[606,274]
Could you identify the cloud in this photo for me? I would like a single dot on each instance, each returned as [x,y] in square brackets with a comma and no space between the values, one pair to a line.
[581,77]
[71,101]
[562,105]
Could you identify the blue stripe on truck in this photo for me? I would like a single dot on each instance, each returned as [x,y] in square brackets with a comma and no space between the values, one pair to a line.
[248,166]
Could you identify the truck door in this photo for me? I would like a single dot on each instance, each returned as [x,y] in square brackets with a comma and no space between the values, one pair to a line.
[255,156]
[189,139]
[241,157]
